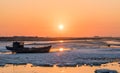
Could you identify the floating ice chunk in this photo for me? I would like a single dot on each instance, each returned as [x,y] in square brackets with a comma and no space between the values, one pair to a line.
[67,65]
[105,71]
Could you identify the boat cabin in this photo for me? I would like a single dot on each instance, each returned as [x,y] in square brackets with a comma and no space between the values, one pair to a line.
[18,44]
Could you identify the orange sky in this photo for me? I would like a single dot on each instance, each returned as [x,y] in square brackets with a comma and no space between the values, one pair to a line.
[42,18]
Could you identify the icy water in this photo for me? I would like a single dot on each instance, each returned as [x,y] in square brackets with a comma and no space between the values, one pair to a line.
[78,54]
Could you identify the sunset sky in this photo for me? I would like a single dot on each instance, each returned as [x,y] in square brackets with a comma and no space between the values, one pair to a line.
[64,18]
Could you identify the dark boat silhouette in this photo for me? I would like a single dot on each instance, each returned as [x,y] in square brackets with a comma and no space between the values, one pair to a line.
[18,47]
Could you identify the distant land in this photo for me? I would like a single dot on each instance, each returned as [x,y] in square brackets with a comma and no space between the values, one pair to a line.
[29,38]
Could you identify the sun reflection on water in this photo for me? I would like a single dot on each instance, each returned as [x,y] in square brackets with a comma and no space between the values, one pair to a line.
[61,41]
[61,49]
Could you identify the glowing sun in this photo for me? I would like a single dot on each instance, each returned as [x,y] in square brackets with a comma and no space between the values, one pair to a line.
[61,26]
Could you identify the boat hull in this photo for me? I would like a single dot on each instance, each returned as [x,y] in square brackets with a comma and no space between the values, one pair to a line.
[45,49]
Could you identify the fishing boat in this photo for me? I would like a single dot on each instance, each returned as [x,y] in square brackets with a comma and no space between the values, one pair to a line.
[18,47]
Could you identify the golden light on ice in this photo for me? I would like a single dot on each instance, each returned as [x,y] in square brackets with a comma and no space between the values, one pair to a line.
[61,26]
[61,49]
[61,41]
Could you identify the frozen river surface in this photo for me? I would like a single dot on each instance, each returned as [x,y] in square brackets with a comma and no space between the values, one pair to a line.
[77,52]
